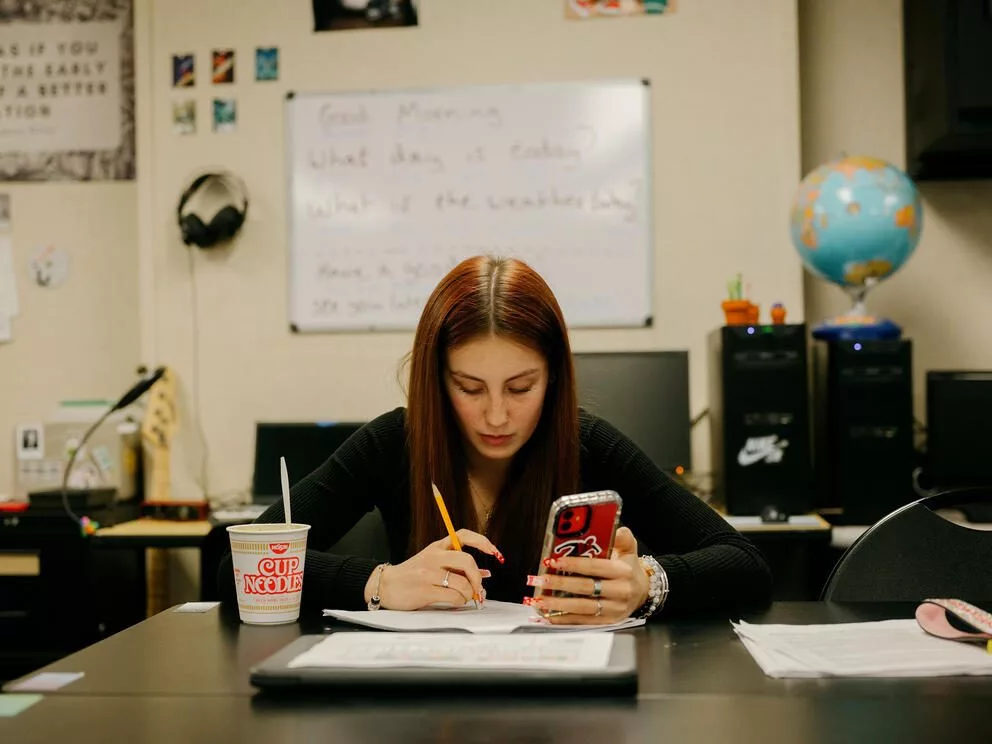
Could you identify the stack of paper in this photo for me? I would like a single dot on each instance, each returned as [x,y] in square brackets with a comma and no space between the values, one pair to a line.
[492,617]
[457,651]
[889,648]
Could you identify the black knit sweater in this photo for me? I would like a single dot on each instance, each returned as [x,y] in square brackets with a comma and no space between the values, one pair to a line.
[710,566]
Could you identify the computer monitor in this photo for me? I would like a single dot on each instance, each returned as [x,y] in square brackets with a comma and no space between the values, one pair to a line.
[305,446]
[959,428]
[644,394]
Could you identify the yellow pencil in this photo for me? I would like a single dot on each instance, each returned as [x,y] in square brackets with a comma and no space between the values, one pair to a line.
[447,520]
[450,527]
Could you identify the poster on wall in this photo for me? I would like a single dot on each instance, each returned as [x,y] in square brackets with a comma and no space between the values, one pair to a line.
[266,63]
[223,66]
[183,70]
[577,10]
[67,90]
[340,15]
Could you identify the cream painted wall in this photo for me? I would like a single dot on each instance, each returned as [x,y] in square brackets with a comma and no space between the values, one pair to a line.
[852,100]
[726,162]
[79,340]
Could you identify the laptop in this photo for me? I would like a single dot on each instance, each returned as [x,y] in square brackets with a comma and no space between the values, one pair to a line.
[619,677]
[305,445]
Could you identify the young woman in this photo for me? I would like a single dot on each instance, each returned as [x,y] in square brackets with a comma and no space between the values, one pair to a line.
[492,420]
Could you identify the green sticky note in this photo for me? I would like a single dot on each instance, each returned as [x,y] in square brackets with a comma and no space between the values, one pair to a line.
[14,703]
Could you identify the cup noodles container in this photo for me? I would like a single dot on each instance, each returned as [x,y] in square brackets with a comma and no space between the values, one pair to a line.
[268,571]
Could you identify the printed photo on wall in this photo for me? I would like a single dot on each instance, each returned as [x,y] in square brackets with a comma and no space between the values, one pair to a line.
[30,442]
[184,117]
[225,114]
[341,15]
[183,71]
[578,10]
[48,266]
[223,66]
[266,63]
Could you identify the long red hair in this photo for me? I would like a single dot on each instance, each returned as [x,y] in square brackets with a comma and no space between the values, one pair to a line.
[505,297]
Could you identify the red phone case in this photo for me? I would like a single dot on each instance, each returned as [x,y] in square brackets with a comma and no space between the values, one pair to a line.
[581,525]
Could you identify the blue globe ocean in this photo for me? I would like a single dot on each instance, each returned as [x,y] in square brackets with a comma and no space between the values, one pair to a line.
[856,220]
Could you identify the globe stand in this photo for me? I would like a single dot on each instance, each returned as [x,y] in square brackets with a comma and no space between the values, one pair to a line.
[856,324]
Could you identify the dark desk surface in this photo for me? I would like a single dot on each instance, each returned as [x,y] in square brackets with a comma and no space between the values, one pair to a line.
[698,719]
[181,676]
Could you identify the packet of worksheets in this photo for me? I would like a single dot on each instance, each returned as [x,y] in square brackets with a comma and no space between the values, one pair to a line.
[364,650]
[885,648]
[492,618]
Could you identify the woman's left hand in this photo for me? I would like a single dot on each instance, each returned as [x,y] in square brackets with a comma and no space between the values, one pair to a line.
[622,582]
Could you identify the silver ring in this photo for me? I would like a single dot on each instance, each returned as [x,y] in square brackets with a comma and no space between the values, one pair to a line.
[445,582]
[597,588]
[599,607]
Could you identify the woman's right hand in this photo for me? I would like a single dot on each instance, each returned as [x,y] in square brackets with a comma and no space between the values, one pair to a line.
[419,581]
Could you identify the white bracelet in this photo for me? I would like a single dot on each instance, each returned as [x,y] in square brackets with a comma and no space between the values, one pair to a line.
[657,587]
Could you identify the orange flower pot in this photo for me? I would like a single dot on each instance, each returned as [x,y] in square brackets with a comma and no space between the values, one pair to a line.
[736,311]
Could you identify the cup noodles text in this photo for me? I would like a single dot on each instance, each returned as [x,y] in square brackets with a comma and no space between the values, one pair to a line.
[275,576]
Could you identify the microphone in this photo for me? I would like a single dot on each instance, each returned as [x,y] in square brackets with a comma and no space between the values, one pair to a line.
[88,526]
[140,388]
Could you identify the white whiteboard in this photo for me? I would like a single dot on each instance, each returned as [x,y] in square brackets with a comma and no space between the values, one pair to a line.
[389,190]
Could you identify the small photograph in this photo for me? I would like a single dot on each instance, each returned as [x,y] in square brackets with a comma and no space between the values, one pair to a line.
[223,67]
[580,10]
[225,115]
[184,116]
[266,63]
[4,212]
[49,266]
[183,71]
[30,442]
[342,15]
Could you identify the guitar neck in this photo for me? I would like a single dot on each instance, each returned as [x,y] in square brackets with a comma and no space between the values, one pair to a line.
[161,479]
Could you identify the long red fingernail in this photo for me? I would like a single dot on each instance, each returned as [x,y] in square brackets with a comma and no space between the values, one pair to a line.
[531,602]
[549,562]
[535,581]
[499,557]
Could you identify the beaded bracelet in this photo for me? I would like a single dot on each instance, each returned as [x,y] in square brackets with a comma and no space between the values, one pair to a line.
[657,589]
[376,600]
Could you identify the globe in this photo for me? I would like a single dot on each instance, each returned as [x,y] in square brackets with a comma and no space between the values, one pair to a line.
[855,221]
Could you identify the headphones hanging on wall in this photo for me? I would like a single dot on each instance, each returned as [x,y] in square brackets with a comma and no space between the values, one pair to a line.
[225,224]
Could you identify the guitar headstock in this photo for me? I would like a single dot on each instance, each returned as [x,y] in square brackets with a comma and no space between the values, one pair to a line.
[161,414]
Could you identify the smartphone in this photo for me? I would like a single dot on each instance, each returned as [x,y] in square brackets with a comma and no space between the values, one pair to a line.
[581,525]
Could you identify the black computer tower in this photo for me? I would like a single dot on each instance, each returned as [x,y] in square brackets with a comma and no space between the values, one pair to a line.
[759,418]
[864,452]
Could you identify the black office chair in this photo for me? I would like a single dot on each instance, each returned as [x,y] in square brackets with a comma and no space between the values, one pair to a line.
[914,553]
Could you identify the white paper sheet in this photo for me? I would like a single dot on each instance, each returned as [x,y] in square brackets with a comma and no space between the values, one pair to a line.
[888,648]
[493,617]
[458,651]
[9,304]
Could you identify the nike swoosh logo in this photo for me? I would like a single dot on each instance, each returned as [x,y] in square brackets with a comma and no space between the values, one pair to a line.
[749,458]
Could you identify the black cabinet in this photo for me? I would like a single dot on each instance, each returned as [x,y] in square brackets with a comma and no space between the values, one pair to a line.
[78,595]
